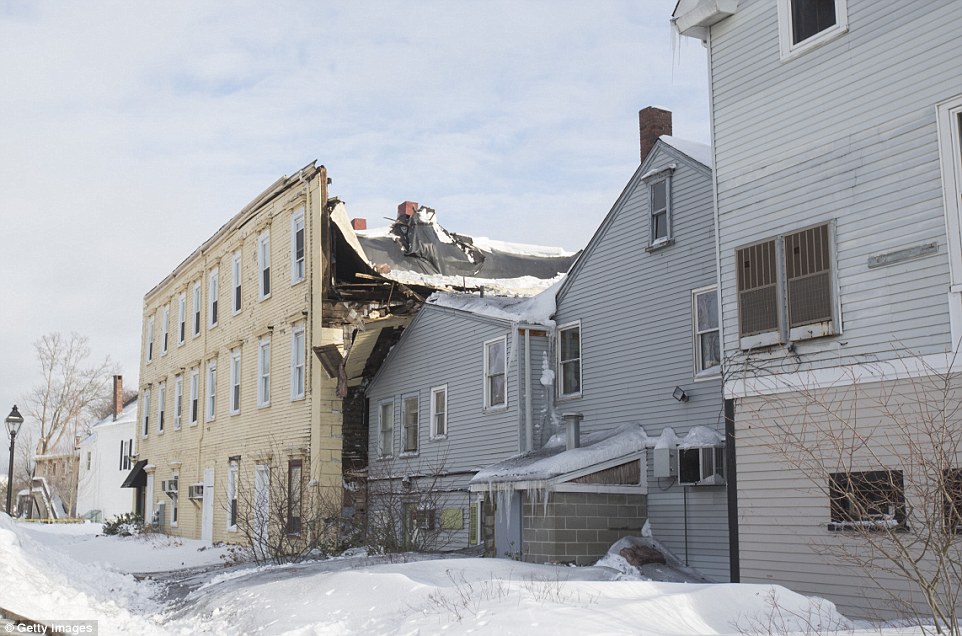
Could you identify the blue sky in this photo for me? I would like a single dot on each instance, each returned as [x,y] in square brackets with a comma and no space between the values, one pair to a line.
[132,131]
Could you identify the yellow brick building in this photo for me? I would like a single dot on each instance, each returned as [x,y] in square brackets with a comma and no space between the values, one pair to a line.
[229,400]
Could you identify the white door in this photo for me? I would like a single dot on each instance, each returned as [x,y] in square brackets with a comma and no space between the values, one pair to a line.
[207,509]
[262,504]
[149,505]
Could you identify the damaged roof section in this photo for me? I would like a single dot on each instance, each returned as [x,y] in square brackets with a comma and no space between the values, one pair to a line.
[417,252]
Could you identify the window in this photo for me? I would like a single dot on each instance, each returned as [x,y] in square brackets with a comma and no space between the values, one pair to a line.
[704,307]
[659,211]
[196,308]
[171,488]
[212,288]
[793,272]
[701,466]
[161,400]
[264,372]
[126,450]
[806,24]
[949,119]
[264,264]
[194,391]
[569,360]
[439,411]
[475,518]
[164,329]
[235,373]
[952,499]
[181,318]
[869,500]
[178,401]
[297,362]
[409,422]
[297,247]
[236,276]
[145,414]
[385,416]
[150,339]
[294,485]
[232,471]
[495,382]
[211,389]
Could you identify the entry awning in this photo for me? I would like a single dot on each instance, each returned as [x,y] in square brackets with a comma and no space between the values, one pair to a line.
[137,477]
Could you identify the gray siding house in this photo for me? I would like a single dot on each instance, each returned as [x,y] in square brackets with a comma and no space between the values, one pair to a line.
[837,164]
[612,411]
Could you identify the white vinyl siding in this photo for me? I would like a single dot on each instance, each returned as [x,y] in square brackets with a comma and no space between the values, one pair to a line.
[297,362]
[264,372]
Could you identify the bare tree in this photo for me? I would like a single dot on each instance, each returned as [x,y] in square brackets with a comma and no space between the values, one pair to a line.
[103,407]
[887,457]
[61,404]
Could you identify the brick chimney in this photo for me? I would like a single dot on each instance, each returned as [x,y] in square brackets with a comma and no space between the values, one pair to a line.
[653,122]
[118,396]
[407,209]
[359,224]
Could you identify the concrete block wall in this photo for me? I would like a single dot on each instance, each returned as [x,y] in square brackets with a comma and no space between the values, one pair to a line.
[579,527]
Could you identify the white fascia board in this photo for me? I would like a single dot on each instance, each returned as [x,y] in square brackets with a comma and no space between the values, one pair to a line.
[693,17]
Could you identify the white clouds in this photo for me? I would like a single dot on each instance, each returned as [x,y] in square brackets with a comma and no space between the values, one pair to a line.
[132,132]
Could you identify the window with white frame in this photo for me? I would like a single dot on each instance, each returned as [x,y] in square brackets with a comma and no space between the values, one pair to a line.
[149,336]
[236,281]
[569,360]
[211,389]
[385,418]
[181,318]
[439,411]
[707,345]
[264,264]
[264,371]
[212,293]
[145,414]
[806,24]
[194,395]
[196,308]
[495,377]
[164,329]
[295,484]
[795,272]
[660,211]
[297,362]
[297,246]
[410,410]
[949,120]
[178,401]
[233,469]
[235,378]
[161,402]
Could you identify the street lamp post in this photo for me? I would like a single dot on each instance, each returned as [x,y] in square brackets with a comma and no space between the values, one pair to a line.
[13,422]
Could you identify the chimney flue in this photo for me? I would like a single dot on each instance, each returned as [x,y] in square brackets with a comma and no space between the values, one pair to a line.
[359,224]
[572,429]
[407,209]
[118,396]
[653,122]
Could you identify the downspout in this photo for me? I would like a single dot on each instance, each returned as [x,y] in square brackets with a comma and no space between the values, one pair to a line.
[528,418]
[734,569]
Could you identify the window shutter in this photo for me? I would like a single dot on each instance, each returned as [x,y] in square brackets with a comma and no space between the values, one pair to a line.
[757,289]
[809,277]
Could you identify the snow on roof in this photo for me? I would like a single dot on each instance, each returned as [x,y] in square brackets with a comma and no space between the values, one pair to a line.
[554,459]
[534,310]
[418,251]
[701,153]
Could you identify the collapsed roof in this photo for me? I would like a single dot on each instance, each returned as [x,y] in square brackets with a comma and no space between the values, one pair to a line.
[419,253]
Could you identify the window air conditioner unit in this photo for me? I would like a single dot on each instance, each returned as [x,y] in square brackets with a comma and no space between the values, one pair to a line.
[196,491]
[169,486]
[701,466]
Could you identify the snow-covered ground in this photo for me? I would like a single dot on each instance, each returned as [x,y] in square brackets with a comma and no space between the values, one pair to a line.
[64,572]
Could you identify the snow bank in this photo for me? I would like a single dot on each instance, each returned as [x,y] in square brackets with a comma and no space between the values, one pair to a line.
[50,586]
